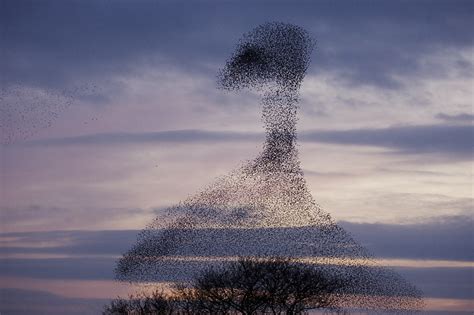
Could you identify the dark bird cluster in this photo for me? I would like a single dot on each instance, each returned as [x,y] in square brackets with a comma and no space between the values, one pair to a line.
[264,208]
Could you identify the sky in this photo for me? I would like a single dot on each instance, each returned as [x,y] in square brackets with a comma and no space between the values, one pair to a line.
[109,113]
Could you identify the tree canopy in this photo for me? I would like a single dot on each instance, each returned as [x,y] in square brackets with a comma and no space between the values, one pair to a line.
[247,286]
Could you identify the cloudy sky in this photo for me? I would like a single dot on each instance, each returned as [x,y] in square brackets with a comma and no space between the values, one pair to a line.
[109,113]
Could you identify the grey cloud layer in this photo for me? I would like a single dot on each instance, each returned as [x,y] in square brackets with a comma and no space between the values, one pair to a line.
[52,43]
[173,136]
[442,139]
[462,117]
[446,238]
[24,302]
[455,141]
[435,282]
[43,218]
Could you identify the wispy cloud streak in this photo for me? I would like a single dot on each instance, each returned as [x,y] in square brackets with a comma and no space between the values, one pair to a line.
[462,117]
[447,139]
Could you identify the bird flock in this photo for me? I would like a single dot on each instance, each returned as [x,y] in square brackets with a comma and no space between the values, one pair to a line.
[264,208]
[26,110]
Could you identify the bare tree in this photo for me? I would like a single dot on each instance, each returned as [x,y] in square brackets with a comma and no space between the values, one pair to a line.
[292,288]
[156,303]
[248,286]
[263,286]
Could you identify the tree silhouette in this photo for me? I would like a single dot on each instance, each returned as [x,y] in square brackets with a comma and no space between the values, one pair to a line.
[248,286]
[156,303]
[257,286]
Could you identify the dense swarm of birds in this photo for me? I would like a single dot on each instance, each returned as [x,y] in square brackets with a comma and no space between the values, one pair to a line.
[264,207]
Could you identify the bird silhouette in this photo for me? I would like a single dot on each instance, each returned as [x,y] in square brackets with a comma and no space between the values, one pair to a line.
[264,207]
